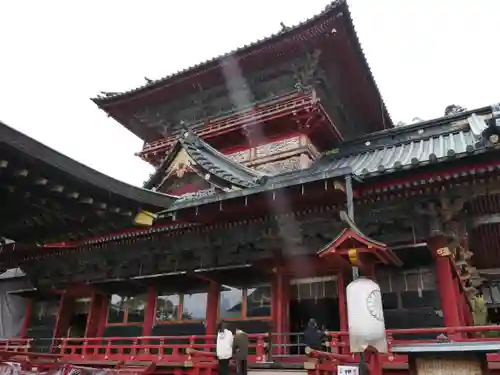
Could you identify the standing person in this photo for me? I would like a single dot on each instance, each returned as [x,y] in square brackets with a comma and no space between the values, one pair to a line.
[224,348]
[313,336]
[240,348]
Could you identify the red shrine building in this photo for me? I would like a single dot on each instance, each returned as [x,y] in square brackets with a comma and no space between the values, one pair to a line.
[278,170]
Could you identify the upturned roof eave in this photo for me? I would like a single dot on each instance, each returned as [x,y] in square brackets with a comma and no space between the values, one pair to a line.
[102,102]
[208,159]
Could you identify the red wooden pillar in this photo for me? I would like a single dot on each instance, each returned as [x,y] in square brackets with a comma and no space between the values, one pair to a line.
[276,300]
[64,314]
[469,321]
[103,316]
[212,308]
[460,300]
[343,279]
[92,326]
[287,297]
[27,318]
[341,285]
[445,281]
[149,314]
[280,302]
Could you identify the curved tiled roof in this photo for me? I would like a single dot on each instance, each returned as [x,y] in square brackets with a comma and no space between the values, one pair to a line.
[390,151]
[340,6]
[27,147]
[111,97]
[420,144]
[211,161]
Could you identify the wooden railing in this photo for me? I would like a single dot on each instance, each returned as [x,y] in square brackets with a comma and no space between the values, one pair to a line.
[262,347]
[258,113]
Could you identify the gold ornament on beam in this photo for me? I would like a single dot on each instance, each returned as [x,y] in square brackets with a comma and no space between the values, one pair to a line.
[443,252]
[339,186]
[353,256]
[144,218]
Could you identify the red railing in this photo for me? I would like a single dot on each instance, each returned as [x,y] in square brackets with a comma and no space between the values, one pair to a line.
[262,347]
[158,349]
[16,345]
[258,113]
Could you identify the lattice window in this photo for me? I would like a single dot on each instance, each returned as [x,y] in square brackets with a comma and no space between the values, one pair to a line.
[416,279]
[491,293]
[314,288]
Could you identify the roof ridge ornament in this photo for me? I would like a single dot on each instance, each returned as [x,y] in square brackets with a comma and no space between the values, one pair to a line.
[490,132]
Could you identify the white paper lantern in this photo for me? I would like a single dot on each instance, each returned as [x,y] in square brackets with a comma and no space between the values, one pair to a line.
[366,316]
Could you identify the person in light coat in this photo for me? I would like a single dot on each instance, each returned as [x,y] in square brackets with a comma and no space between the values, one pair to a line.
[224,348]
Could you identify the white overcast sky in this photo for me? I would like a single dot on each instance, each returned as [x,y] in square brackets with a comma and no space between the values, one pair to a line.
[55,55]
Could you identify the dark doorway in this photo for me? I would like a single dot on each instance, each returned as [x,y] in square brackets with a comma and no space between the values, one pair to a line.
[325,311]
[77,326]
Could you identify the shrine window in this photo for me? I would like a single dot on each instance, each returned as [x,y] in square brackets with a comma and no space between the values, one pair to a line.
[126,309]
[168,308]
[243,303]
[314,288]
[491,294]
[44,312]
[231,303]
[258,301]
[181,307]
[395,280]
[409,289]
[194,306]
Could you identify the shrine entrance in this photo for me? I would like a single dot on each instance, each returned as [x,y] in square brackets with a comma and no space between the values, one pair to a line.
[313,298]
[79,316]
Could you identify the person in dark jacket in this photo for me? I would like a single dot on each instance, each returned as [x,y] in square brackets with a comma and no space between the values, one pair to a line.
[240,351]
[313,336]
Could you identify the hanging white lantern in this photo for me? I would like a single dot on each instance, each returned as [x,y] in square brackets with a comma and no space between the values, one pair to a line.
[366,316]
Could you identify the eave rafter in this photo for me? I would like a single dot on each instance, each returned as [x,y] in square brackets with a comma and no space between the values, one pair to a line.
[47,196]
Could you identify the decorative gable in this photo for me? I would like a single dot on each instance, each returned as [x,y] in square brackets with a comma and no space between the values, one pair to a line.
[194,165]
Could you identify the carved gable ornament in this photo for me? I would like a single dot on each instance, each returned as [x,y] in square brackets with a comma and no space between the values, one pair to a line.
[180,165]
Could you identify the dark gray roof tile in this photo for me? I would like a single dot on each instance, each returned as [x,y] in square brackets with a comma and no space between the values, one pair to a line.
[211,161]
[409,154]
[289,31]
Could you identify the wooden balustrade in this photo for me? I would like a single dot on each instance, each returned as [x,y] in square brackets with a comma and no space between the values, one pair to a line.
[182,349]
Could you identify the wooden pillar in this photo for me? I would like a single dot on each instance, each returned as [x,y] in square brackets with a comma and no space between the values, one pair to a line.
[92,326]
[287,297]
[460,300]
[212,312]
[344,277]
[64,314]
[445,280]
[149,314]
[103,316]
[279,308]
[27,318]
[469,321]
[341,285]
